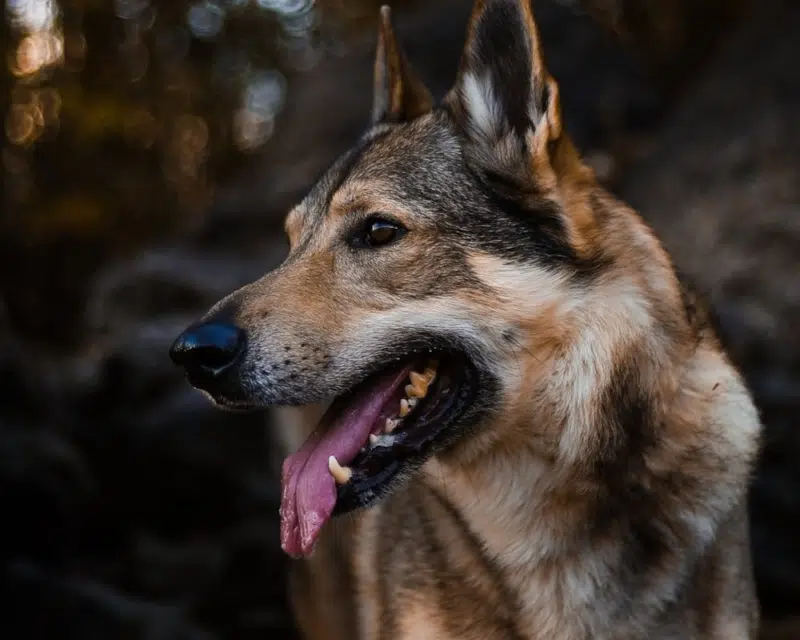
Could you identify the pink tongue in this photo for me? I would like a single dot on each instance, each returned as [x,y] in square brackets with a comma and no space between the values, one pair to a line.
[308,493]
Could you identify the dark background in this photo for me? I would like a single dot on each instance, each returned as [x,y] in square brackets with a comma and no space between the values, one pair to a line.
[150,151]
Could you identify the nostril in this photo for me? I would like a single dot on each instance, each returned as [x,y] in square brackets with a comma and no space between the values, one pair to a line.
[212,356]
[209,347]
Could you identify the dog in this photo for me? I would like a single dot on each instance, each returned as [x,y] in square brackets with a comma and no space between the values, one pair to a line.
[532,430]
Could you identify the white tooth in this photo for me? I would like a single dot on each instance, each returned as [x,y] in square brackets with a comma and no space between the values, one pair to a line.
[391,425]
[404,408]
[341,474]
[412,402]
[373,439]
[412,391]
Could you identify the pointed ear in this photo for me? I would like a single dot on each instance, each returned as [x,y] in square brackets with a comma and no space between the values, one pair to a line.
[505,98]
[399,95]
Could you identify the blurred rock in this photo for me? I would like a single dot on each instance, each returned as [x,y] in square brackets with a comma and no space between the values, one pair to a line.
[39,604]
[44,487]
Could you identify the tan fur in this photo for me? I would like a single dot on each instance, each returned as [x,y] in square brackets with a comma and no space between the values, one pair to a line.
[553,520]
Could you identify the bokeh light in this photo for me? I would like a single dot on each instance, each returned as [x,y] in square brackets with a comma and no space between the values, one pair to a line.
[206,19]
[32,15]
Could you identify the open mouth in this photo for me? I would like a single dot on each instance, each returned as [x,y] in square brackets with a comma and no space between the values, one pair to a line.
[387,424]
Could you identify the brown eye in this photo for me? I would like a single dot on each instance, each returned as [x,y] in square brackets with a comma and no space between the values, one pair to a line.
[378,233]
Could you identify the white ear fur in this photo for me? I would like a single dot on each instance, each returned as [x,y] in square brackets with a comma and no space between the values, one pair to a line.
[481,105]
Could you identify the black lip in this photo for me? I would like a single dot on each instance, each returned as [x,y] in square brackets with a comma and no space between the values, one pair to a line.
[225,390]
[434,423]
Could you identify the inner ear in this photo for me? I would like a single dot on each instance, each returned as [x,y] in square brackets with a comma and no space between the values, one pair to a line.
[399,95]
[503,86]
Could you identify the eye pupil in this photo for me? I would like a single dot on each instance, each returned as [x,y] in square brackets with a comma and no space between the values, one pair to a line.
[381,233]
[376,232]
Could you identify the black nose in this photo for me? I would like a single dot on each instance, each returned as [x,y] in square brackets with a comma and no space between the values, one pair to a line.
[208,348]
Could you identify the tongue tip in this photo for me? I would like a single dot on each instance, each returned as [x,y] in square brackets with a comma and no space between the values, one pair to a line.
[292,550]
[297,545]
[293,544]
[302,524]
[311,527]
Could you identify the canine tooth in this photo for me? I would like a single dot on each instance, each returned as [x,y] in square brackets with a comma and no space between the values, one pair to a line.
[391,425]
[341,474]
[404,408]
[419,383]
[373,439]
[416,392]
[419,379]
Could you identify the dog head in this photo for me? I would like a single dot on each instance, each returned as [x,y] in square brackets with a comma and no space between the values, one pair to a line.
[435,271]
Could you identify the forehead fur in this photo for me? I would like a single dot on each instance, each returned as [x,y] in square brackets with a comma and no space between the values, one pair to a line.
[417,163]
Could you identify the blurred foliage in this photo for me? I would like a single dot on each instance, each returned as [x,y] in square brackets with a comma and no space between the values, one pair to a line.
[124,118]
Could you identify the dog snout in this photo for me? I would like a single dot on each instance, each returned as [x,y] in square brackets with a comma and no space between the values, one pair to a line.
[208,349]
